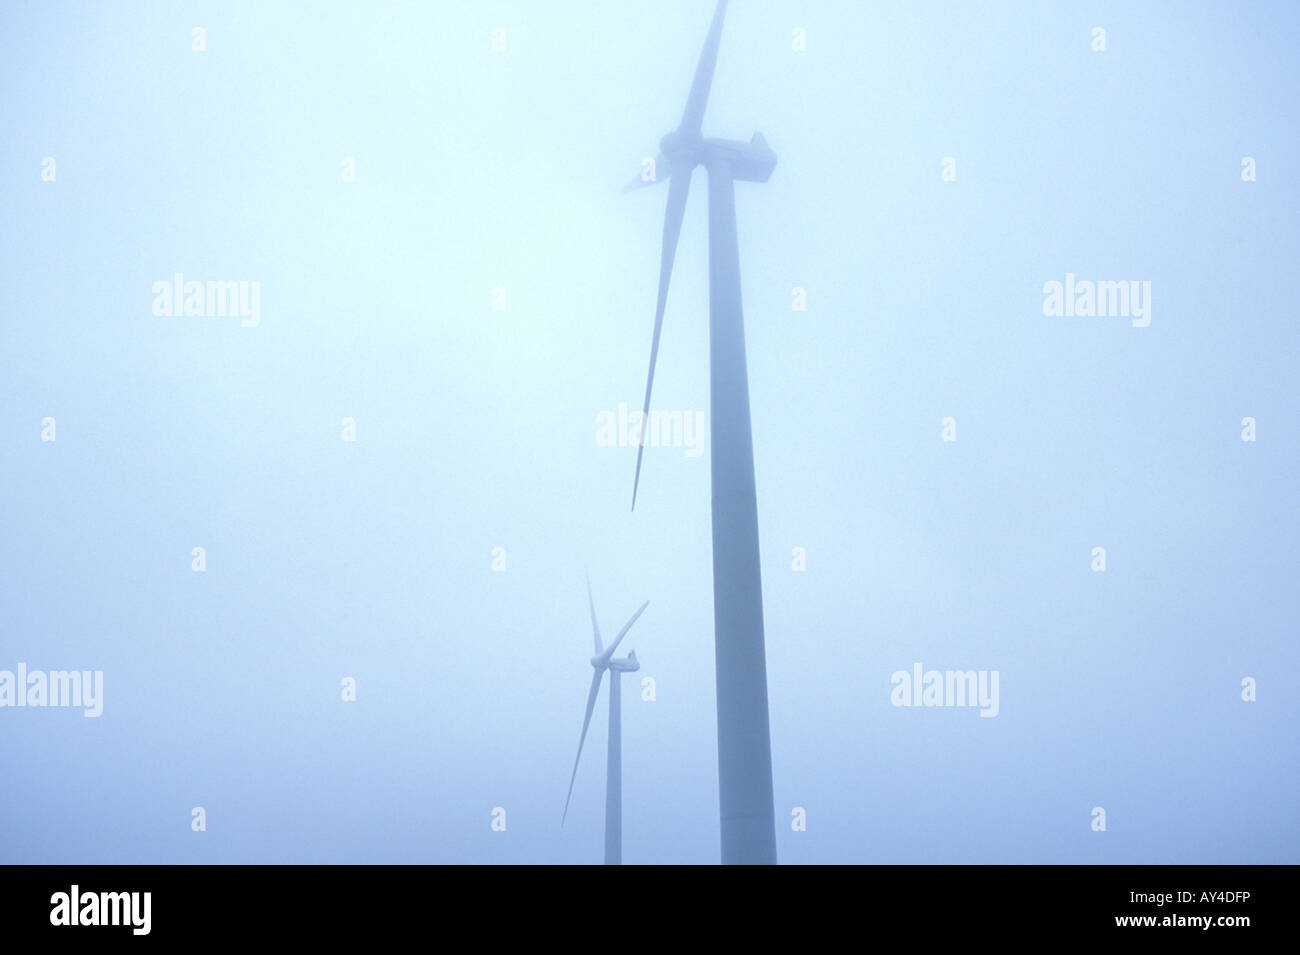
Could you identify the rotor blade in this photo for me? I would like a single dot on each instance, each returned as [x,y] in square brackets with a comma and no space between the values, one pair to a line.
[662,170]
[678,188]
[622,633]
[693,116]
[595,627]
[586,721]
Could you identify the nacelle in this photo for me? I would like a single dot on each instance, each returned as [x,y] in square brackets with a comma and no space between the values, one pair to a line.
[627,664]
[750,162]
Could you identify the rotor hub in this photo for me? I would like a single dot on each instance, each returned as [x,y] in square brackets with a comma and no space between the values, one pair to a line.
[681,151]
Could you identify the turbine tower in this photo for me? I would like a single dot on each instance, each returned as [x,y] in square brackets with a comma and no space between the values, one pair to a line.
[748,823]
[602,661]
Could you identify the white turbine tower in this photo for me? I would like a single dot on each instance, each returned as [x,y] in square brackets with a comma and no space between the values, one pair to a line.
[748,821]
[602,661]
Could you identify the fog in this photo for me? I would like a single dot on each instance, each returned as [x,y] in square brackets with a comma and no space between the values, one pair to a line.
[401,473]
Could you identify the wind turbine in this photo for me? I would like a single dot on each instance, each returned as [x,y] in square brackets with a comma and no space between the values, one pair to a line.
[744,744]
[602,661]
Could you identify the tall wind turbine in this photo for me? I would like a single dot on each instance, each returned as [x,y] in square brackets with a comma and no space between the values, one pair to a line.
[744,744]
[602,661]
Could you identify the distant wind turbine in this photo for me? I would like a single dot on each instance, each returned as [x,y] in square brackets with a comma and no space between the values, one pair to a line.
[602,661]
[744,747]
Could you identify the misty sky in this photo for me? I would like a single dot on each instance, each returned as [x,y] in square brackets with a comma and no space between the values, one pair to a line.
[476,428]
